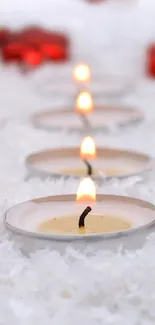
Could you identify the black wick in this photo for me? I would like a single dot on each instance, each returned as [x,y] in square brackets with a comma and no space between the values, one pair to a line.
[83,216]
[89,167]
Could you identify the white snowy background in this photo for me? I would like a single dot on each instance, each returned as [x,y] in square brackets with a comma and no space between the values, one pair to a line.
[49,288]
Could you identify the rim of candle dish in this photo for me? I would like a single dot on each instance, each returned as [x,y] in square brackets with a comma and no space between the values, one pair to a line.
[77,237]
[58,153]
[126,86]
[139,117]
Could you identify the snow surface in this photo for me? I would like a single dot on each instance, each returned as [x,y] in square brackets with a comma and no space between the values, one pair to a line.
[74,288]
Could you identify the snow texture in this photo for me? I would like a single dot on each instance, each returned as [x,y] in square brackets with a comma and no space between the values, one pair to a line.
[74,288]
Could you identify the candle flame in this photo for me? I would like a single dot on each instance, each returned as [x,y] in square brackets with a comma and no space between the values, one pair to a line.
[82,73]
[84,102]
[88,148]
[86,192]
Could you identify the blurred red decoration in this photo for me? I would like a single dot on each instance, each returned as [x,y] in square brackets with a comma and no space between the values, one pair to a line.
[151,61]
[33,46]
[13,52]
[32,57]
[54,52]
[4,36]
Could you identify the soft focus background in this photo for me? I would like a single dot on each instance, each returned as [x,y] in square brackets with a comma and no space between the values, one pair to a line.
[47,288]
[112,35]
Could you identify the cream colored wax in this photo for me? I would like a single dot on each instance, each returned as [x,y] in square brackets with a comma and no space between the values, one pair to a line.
[94,224]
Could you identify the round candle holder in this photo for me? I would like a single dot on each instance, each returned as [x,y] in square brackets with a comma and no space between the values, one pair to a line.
[23,222]
[103,118]
[100,86]
[110,163]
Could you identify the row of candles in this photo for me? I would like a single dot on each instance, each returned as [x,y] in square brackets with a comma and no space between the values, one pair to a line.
[84,105]
[91,215]
[86,192]
[97,222]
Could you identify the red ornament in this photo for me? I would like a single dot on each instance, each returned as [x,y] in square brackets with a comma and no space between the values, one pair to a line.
[30,30]
[33,45]
[13,52]
[151,61]
[58,38]
[32,57]
[33,35]
[5,35]
[54,52]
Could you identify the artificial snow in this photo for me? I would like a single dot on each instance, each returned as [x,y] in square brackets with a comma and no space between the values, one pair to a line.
[47,287]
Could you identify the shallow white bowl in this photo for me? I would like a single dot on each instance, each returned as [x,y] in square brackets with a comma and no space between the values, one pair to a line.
[100,86]
[51,163]
[23,219]
[103,118]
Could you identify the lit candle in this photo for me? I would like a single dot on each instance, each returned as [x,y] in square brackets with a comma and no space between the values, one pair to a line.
[107,164]
[87,221]
[54,221]
[84,103]
[82,73]
[86,192]
[88,148]
[84,106]
[87,152]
